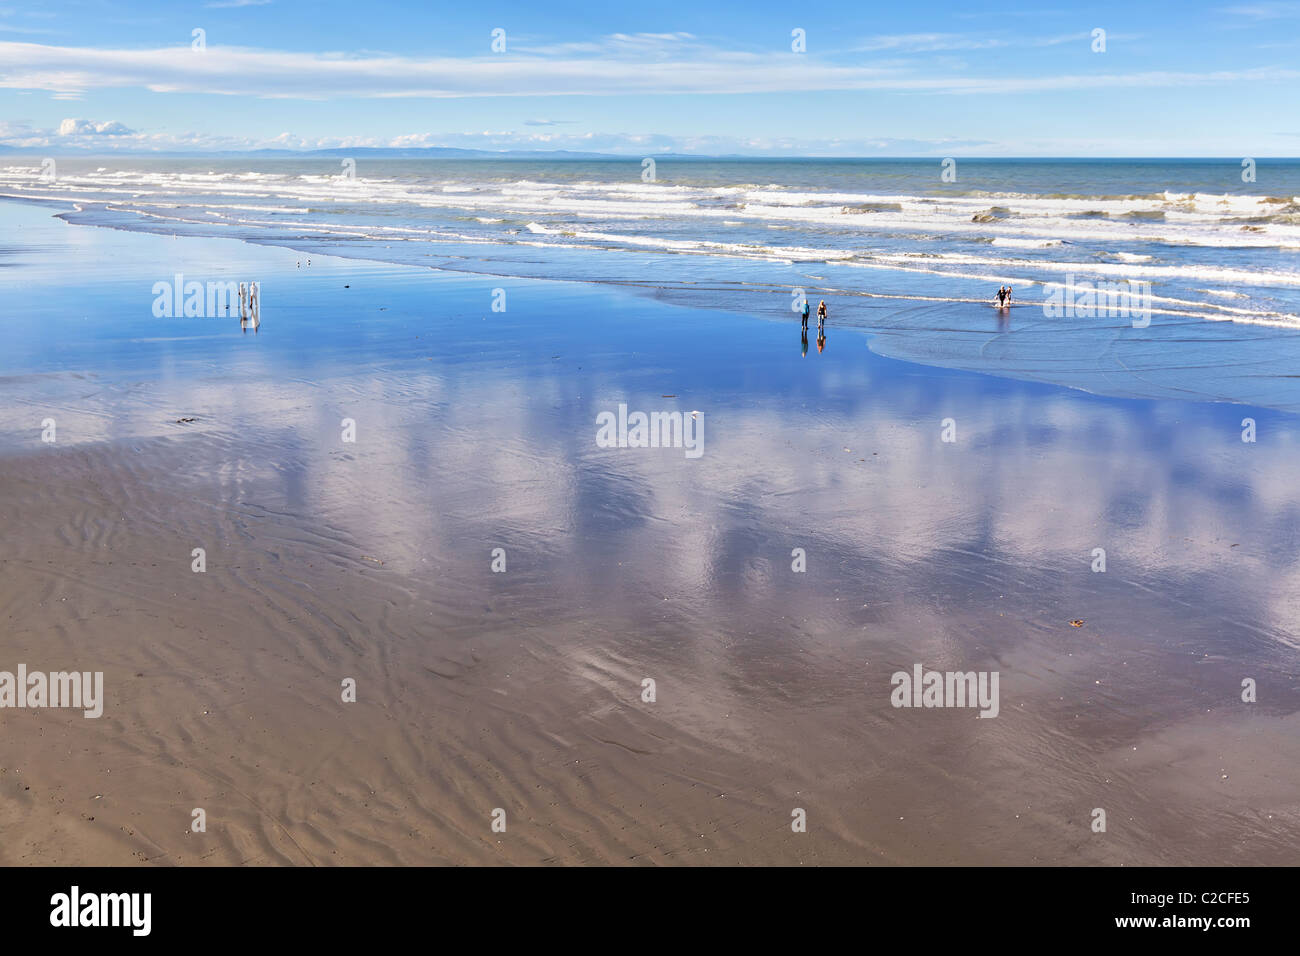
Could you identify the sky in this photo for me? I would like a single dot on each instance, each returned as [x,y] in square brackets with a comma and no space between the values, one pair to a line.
[975,78]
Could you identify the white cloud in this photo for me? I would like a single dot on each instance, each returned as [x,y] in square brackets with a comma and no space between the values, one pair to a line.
[81,127]
[636,70]
[639,44]
[530,137]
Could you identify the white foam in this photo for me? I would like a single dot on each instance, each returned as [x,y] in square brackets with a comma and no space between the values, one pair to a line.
[1027,243]
[1032,221]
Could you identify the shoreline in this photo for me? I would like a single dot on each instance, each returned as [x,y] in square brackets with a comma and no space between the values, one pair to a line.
[1224,358]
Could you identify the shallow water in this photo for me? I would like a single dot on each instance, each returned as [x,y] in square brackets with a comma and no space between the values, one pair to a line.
[1227,348]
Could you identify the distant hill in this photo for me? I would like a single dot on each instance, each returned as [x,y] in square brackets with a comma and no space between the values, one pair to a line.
[421,152]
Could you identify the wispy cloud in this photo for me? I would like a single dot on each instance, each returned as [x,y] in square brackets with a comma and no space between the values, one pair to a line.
[69,71]
[1265,11]
[10,28]
[616,44]
[936,42]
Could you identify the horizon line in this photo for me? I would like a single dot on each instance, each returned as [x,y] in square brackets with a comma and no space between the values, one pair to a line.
[481,153]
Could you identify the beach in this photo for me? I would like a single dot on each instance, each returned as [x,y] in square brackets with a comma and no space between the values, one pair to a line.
[498,587]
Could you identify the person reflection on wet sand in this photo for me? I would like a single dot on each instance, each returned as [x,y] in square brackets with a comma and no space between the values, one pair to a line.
[250,307]
[803,338]
[821,341]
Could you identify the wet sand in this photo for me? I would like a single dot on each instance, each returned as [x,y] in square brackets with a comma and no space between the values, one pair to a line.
[522,690]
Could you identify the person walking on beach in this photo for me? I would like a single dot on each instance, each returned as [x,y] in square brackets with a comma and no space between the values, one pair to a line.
[821,315]
[1002,296]
[805,315]
[1008,296]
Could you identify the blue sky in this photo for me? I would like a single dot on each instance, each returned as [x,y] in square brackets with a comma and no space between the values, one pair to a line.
[981,77]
